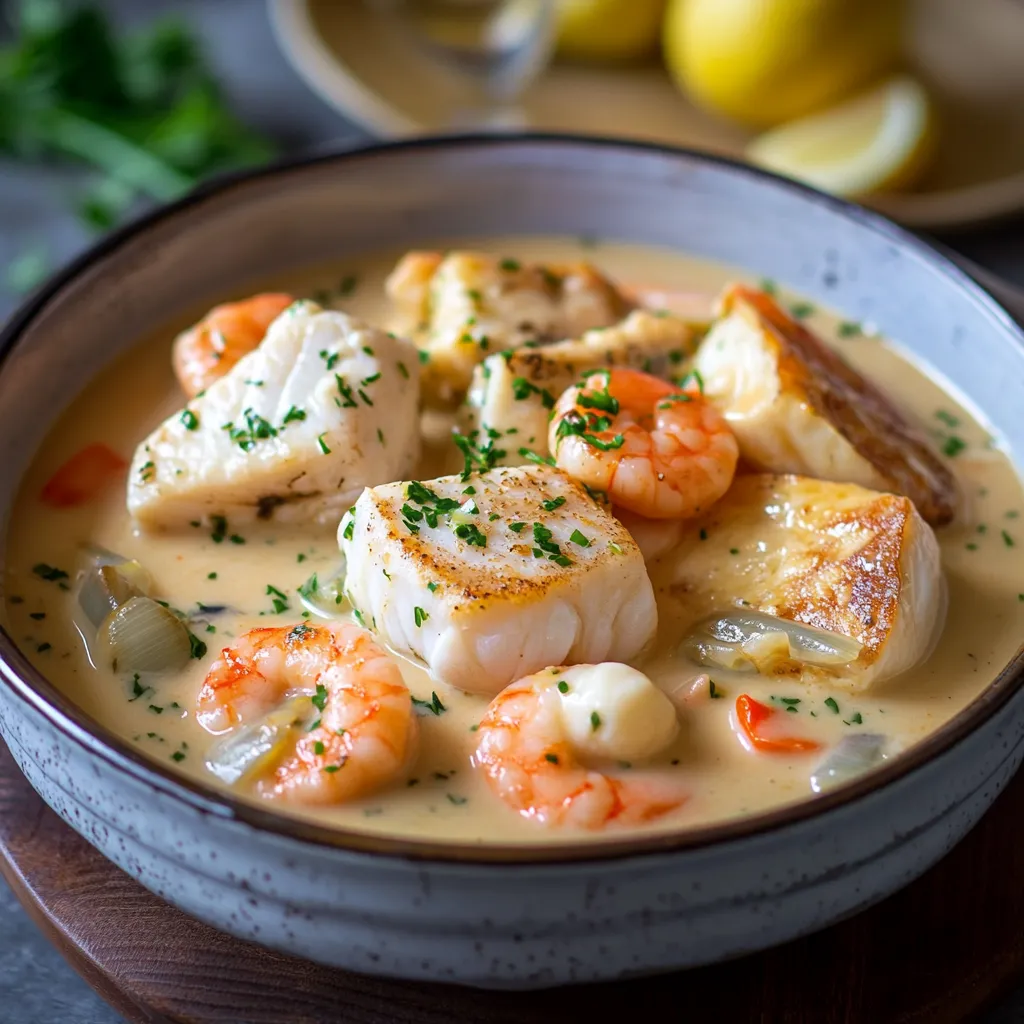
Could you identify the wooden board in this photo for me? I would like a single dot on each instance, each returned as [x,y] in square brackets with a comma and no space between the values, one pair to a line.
[938,952]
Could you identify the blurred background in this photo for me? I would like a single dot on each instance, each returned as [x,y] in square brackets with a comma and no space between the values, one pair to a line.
[107,107]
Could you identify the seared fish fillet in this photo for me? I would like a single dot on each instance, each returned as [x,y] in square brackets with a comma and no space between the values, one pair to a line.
[463,306]
[296,429]
[832,555]
[513,392]
[797,407]
[486,587]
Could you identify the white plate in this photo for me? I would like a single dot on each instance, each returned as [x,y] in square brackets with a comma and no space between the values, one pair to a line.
[970,52]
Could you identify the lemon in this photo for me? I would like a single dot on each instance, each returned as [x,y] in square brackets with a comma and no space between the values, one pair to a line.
[878,141]
[763,62]
[608,30]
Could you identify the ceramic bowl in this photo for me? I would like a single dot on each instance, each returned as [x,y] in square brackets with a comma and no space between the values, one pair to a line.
[497,916]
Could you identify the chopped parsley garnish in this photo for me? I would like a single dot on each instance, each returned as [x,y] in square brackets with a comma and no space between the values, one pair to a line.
[849,329]
[49,572]
[178,756]
[693,377]
[953,446]
[147,472]
[236,538]
[615,549]
[595,721]
[832,705]
[476,455]
[552,758]
[330,358]
[540,460]
[431,587]
[575,424]
[309,588]
[800,310]
[319,698]
[38,616]
[523,388]
[419,616]
[322,444]
[219,530]
[551,504]
[768,286]
[256,429]
[517,527]
[350,527]
[545,545]
[563,686]
[713,691]
[41,648]
[189,419]
[856,719]
[332,768]
[434,705]
[280,600]
[196,648]
[293,415]
[510,265]
[424,357]
[319,748]
[155,709]
[457,800]
[1008,540]
[348,285]
[298,633]
[578,538]
[347,400]
[471,535]
[403,370]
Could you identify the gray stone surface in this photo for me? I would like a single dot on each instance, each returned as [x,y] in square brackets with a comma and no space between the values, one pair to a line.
[35,983]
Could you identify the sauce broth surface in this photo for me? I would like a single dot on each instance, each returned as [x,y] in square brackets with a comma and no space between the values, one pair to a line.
[441,797]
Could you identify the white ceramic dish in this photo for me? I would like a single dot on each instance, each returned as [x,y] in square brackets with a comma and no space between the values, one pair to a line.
[968,53]
[494,916]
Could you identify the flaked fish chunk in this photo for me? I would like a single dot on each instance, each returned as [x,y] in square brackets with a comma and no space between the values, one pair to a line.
[831,555]
[325,406]
[463,306]
[490,579]
[797,407]
[514,392]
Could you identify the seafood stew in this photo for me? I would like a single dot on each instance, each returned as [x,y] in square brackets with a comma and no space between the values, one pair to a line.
[528,539]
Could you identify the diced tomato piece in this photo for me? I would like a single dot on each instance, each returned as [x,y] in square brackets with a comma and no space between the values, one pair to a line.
[83,476]
[752,713]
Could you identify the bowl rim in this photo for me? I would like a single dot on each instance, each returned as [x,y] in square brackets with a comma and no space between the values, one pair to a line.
[30,686]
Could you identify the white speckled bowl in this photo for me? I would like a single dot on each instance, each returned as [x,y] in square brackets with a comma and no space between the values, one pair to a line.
[497,916]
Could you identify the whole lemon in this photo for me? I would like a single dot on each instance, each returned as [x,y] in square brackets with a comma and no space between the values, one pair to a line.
[763,62]
[608,30]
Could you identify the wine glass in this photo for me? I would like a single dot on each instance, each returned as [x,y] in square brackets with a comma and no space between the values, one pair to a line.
[483,54]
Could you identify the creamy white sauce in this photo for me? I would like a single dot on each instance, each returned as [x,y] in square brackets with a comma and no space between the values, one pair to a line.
[982,552]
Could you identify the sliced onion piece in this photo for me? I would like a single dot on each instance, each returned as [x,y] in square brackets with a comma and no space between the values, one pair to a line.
[756,642]
[324,594]
[143,636]
[243,751]
[850,757]
[104,589]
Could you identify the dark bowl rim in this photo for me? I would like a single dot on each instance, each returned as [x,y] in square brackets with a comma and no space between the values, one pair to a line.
[32,687]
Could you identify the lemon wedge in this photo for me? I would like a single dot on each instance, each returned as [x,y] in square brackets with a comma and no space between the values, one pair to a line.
[881,140]
[766,62]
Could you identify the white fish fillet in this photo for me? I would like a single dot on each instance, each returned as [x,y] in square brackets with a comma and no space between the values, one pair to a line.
[324,407]
[513,392]
[463,306]
[796,407]
[481,616]
[832,555]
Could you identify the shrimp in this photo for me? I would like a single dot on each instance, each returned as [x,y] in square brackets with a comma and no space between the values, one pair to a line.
[209,348]
[655,449]
[363,731]
[534,732]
